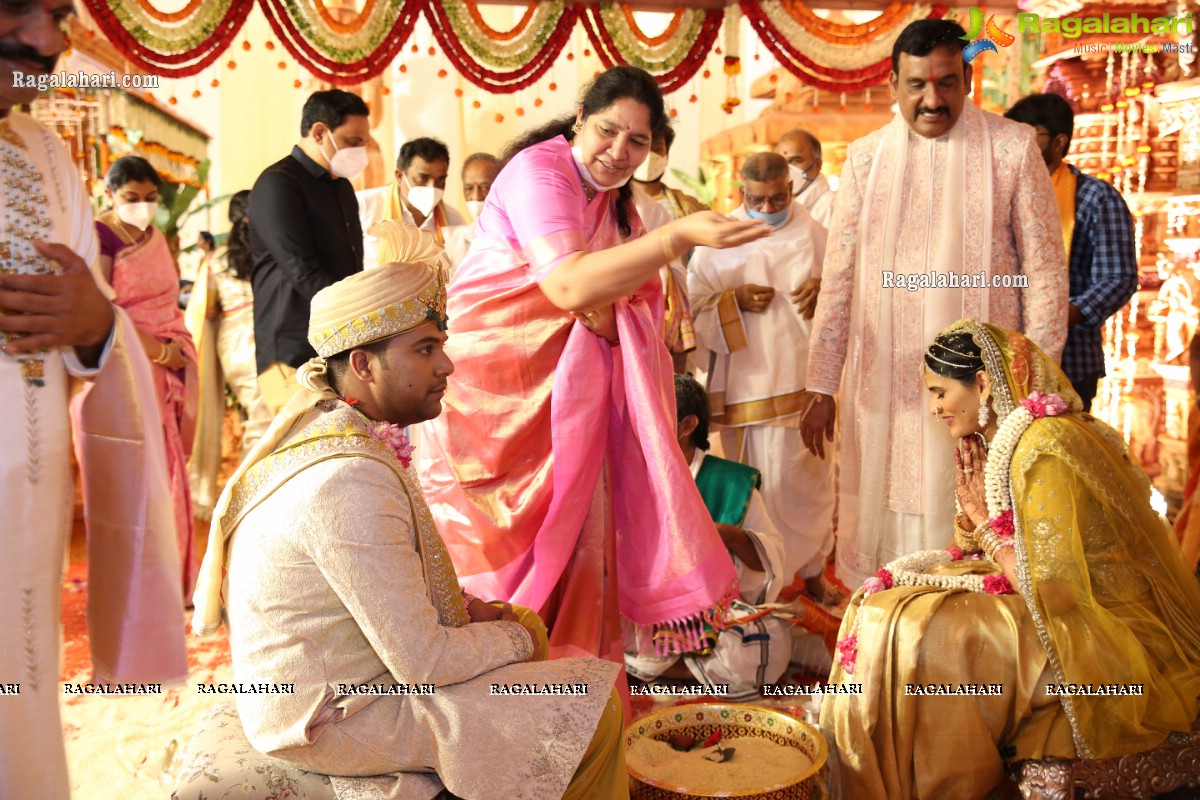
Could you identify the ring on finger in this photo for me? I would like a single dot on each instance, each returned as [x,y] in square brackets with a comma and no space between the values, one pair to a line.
[968,470]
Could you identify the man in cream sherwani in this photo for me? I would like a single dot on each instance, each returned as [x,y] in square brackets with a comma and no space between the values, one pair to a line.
[338,579]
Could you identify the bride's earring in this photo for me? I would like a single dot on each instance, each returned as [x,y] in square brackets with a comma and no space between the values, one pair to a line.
[985,413]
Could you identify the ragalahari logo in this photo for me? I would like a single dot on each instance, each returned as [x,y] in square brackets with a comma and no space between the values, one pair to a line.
[983,37]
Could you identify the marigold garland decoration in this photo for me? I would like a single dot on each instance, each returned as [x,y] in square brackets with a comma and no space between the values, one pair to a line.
[502,62]
[347,49]
[835,58]
[672,58]
[176,45]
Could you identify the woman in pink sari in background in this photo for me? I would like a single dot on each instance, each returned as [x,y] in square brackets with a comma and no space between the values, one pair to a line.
[136,260]
[553,471]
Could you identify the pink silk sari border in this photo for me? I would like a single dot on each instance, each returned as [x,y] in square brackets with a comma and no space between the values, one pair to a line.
[546,251]
[135,608]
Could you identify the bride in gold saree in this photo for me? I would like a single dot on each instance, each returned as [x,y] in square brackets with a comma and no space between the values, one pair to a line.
[1064,589]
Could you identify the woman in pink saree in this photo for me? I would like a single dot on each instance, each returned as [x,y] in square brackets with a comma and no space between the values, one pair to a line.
[553,471]
[136,260]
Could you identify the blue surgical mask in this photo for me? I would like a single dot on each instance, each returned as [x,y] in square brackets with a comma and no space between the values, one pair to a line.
[776,219]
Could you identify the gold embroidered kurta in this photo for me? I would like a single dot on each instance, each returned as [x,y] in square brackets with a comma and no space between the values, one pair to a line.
[337,576]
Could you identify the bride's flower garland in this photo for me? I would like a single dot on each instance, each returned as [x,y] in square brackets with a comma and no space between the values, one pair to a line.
[910,570]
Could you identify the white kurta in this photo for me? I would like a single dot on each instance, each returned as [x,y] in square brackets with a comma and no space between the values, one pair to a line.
[817,197]
[977,200]
[373,206]
[36,490]
[758,375]
[458,243]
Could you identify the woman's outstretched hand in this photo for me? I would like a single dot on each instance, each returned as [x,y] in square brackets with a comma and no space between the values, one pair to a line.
[710,229]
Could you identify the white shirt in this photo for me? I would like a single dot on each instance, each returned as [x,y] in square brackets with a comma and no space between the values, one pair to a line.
[372,207]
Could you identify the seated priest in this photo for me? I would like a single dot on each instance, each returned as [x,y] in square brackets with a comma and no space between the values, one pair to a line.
[337,581]
[755,651]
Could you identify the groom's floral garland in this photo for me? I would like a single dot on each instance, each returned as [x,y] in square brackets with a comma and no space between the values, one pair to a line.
[910,570]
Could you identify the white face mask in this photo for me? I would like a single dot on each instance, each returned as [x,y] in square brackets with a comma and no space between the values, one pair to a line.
[475,208]
[577,151]
[651,169]
[800,179]
[348,162]
[424,198]
[139,215]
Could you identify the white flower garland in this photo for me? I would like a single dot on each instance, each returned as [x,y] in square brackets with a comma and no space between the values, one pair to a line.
[909,570]
[999,461]
[861,53]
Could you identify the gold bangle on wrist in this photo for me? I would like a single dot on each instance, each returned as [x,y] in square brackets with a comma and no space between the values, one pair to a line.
[965,538]
[164,354]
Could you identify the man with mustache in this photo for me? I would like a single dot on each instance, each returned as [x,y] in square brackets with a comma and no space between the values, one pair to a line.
[56,321]
[943,187]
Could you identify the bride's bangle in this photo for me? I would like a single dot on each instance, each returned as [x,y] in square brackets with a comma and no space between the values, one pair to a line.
[992,543]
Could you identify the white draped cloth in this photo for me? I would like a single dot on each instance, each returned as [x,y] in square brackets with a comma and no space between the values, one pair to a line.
[758,375]
[37,495]
[458,243]
[654,215]
[977,200]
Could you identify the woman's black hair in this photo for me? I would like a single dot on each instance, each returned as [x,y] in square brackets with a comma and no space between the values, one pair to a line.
[130,168]
[237,251]
[617,83]
[955,355]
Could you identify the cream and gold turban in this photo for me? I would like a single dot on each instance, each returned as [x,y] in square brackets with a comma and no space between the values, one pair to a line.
[406,290]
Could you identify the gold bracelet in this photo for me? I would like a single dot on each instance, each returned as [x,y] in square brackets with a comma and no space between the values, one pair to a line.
[667,240]
[964,536]
[164,354]
[992,543]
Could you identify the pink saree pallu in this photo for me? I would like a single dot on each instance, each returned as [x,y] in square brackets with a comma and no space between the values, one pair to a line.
[553,470]
[147,287]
